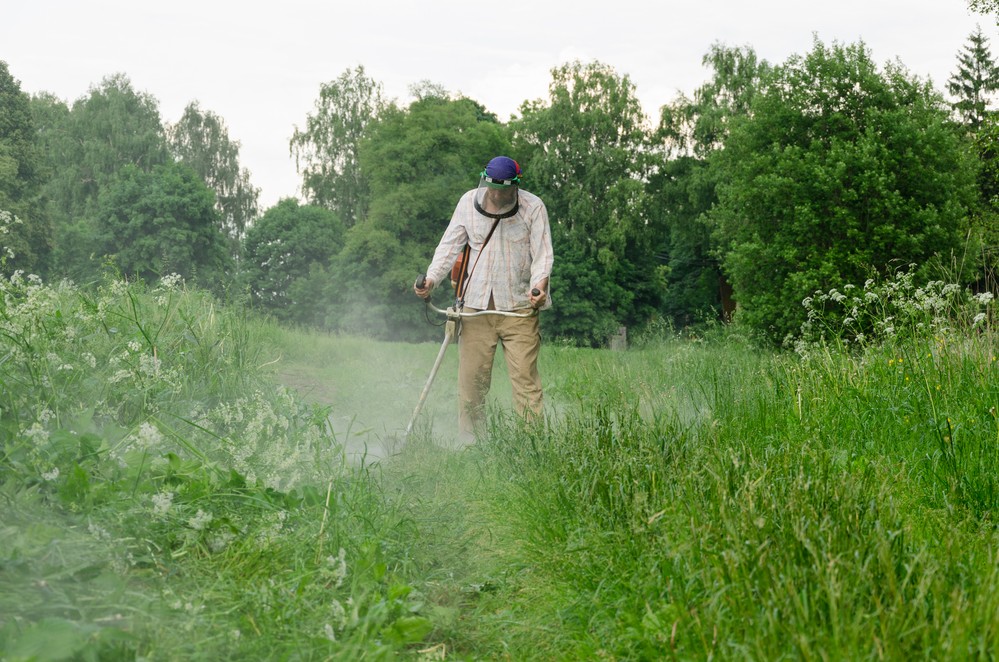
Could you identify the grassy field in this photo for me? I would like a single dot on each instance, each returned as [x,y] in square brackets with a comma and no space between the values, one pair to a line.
[182,481]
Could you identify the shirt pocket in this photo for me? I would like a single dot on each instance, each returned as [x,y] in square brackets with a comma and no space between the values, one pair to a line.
[515,231]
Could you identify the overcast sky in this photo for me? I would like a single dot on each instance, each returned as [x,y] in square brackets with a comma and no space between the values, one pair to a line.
[259,65]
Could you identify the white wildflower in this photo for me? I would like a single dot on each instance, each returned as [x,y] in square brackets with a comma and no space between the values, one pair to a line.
[339,613]
[162,502]
[978,319]
[171,281]
[219,542]
[148,436]
[134,346]
[983,298]
[98,532]
[119,376]
[200,520]
[338,565]
[37,434]
[50,476]
[149,365]
[328,632]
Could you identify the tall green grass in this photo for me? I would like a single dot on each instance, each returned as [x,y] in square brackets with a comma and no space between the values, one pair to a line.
[710,500]
[163,498]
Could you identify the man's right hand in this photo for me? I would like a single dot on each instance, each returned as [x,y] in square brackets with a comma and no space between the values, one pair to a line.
[427,286]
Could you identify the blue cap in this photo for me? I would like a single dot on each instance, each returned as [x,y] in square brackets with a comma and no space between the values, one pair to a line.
[502,170]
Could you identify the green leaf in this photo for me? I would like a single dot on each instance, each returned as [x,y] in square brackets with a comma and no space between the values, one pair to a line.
[408,630]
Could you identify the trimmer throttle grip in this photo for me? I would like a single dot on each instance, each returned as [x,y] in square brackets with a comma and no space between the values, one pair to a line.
[421,282]
[535,292]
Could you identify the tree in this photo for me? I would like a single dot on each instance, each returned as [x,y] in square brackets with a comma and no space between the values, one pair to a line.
[326,152]
[113,126]
[160,222]
[28,241]
[287,256]
[691,132]
[975,81]
[585,150]
[682,190]
[839,172]
[700,125]
[984,6]
[200,140]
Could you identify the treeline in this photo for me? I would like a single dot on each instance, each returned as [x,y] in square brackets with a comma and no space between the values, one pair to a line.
[771,182]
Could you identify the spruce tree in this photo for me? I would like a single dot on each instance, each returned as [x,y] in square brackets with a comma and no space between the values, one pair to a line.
[974,82]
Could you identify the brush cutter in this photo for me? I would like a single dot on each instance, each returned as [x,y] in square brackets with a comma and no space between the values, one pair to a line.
[453,316]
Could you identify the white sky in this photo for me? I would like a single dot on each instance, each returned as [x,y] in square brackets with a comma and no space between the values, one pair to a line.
[260,65]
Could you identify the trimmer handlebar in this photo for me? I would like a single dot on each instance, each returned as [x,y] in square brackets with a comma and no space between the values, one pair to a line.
[457,314]
[421,282]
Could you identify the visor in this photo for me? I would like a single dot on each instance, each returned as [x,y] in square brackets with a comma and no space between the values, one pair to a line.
[497,198]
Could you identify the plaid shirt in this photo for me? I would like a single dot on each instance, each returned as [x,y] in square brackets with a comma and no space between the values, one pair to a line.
[518,256]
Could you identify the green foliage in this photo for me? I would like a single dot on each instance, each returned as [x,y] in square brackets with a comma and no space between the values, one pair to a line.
[840,170]
[683,189]
[164,500]
[725,503]
[701,125]
[584,152]
[327,151]
[113,126]
[200,140]
[683,193]
[287,256]
[27,243]
[985,228]
[985,7]
[162,221]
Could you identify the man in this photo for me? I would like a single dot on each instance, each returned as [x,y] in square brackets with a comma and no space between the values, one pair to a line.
[508,264]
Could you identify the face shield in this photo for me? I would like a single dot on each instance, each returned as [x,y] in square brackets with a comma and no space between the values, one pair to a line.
[497,198]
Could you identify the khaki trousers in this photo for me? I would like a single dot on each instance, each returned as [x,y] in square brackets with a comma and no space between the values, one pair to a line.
[521,338]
